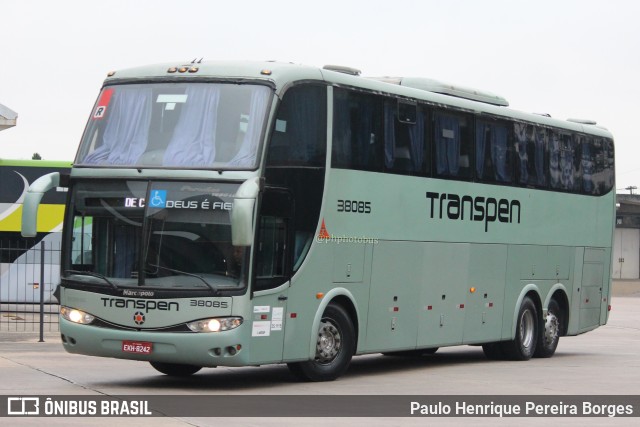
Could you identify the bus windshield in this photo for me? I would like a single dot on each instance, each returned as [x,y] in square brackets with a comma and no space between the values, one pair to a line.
[163,235]
[184,125]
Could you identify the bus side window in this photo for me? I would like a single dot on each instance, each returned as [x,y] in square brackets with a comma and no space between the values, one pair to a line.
[564,162]
[453,145]
[299,137]
[493,151]
[531,143]
[602,175]
[404,138]
[609,176]
[357,131]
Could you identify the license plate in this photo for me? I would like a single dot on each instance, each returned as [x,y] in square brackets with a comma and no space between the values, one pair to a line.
[137,347]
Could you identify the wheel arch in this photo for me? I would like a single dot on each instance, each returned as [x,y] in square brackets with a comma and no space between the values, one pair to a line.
[532,291]
[343,298]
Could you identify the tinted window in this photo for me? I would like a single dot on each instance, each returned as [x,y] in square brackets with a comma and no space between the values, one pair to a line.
[493,151]
[404,148]
[597,166]
[357,131]
[530,144]
[300,133]
[565,161]
[453,145]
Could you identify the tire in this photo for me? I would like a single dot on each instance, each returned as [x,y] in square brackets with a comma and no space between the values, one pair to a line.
[523,345]
[175,369]
[549,334]
[335,346]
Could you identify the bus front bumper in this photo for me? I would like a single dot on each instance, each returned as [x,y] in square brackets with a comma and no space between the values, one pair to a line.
[199,349]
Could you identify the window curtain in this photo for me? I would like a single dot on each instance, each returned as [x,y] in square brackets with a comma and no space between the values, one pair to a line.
[124,251]
[127,131]
[365,140]
[483,130]
[493,136]
[389,134]
[193,140]
[520,130]
[416,136]
[499,153]
[248,152]
[447,144]
[305,141]
[341,148]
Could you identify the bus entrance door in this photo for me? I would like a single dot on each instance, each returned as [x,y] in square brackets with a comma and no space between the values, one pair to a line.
[267,330]
[272,272]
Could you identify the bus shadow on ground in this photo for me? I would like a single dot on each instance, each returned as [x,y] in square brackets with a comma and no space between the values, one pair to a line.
[238,379]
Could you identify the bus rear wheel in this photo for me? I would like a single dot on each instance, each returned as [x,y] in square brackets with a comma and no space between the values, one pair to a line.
[523,346]
[175,369]
[335,345]
[549,335]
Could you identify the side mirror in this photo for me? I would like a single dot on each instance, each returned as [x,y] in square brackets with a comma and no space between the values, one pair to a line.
[32,202]
[244,203]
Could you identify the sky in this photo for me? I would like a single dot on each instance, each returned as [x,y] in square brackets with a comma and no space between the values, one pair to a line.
[567,58]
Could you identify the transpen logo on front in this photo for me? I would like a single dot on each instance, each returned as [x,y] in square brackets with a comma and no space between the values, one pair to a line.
[139,318]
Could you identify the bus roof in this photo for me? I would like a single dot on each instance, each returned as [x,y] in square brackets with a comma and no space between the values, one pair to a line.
[282,74]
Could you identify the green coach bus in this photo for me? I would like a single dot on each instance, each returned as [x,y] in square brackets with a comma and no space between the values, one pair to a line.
[239,213]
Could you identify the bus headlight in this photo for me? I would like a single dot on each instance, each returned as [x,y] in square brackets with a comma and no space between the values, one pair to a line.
[216,324]
[76,316]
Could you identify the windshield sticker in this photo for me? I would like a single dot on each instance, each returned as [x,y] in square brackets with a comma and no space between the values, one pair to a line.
[158,199]
[103,103]
[172,99]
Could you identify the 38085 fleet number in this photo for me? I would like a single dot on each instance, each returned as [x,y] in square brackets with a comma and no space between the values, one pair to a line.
[354,206]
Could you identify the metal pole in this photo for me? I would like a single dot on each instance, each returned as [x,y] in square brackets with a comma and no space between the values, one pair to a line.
[41,291]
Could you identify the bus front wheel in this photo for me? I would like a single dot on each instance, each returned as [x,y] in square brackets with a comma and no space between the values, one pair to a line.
[523,346]
[175,369]
[335,345]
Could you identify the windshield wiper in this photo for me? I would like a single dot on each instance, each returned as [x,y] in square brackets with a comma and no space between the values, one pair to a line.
[173,270]
[92,274]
